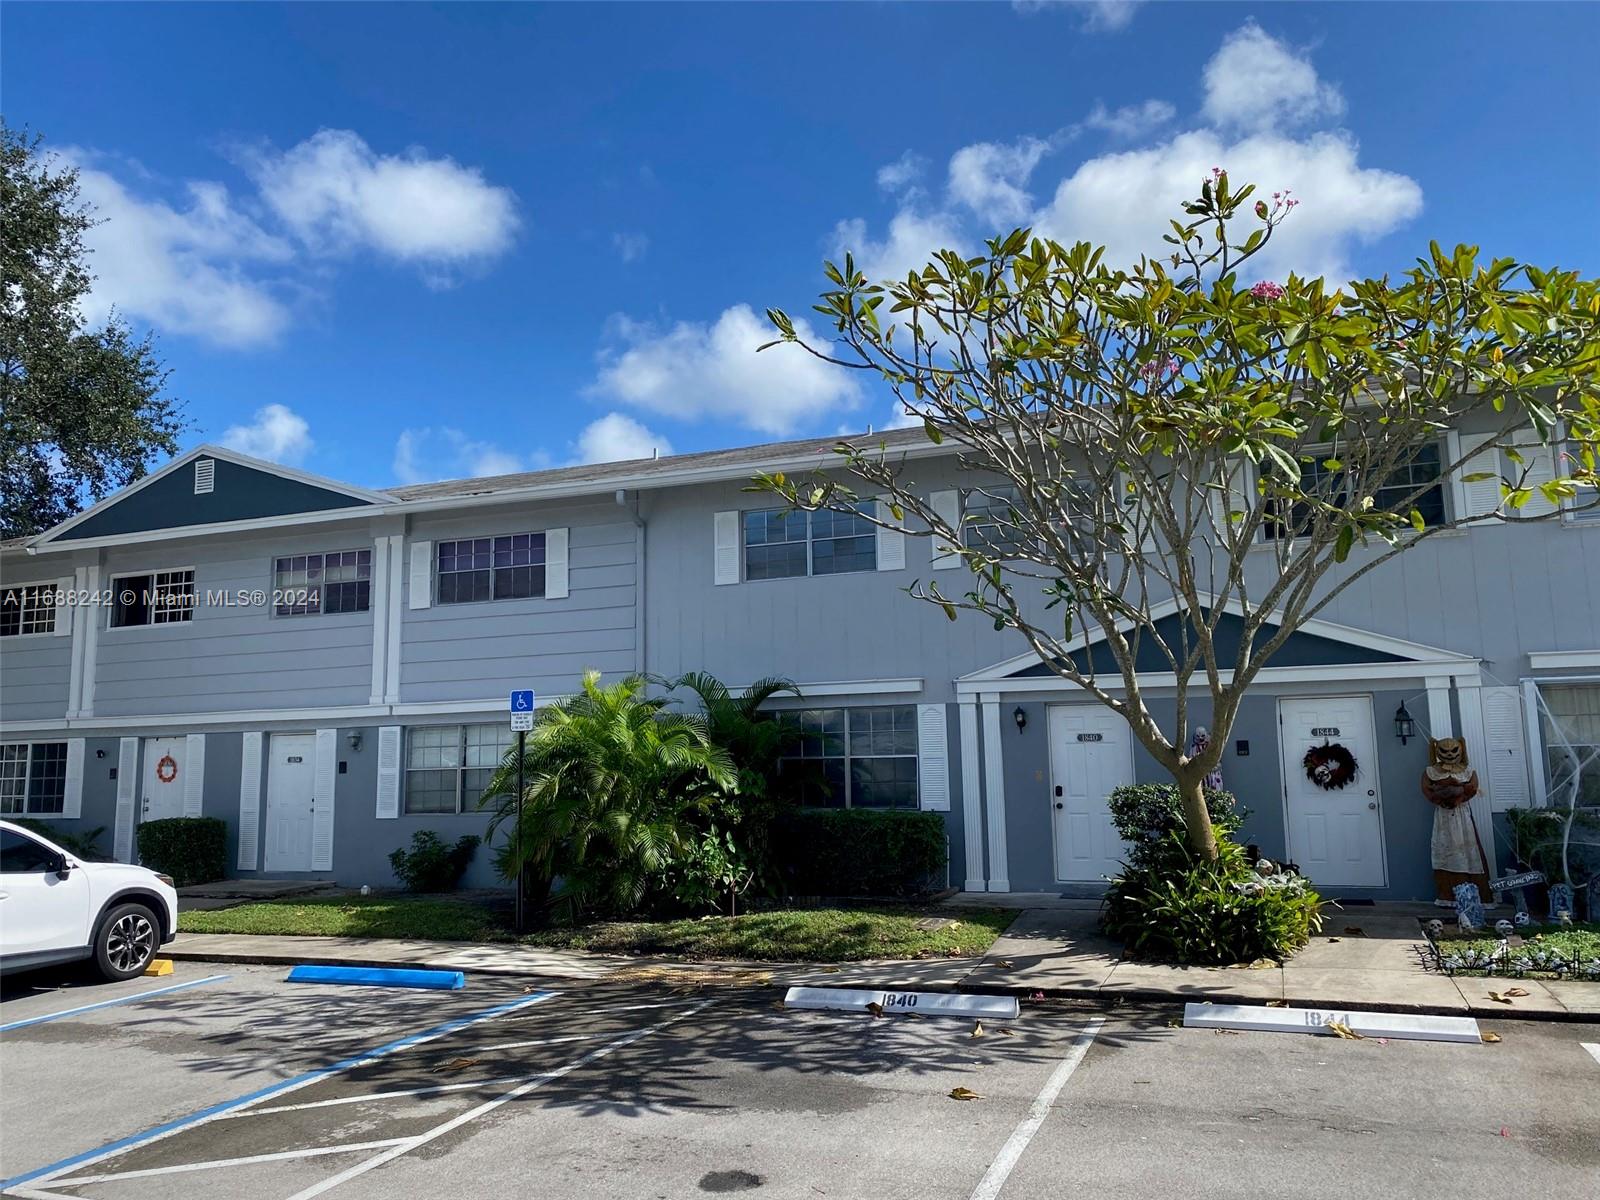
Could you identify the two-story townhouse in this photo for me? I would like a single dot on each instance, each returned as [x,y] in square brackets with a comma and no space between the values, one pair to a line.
[326,667]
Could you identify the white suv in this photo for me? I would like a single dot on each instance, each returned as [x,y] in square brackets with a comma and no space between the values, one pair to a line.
[56,908]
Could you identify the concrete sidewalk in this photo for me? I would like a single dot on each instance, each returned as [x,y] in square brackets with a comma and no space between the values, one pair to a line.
[1365,958]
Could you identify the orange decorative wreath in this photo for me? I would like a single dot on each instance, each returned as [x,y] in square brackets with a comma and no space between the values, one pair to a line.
[167,769]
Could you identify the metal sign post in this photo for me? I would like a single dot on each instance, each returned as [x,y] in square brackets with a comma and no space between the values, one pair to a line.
[522,705]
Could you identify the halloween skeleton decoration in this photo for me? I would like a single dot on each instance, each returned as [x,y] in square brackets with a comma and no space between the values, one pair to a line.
[1449,782]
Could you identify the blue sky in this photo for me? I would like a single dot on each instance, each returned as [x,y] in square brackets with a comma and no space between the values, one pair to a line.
[392,243]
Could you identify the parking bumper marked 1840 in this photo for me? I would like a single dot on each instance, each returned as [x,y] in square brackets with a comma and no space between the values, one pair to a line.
[42,1176]
[1000,1169]
[488,1106]
[84,1008]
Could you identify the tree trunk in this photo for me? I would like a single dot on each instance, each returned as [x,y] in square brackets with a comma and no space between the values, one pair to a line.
[1197,818]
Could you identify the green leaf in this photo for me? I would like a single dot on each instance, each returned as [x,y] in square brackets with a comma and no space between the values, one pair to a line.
[1347,538]
[1417,522]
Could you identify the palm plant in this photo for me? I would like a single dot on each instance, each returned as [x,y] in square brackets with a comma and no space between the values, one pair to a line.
[612,781]
[754,739]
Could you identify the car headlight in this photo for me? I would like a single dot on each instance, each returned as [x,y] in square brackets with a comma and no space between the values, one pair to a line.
[166,879]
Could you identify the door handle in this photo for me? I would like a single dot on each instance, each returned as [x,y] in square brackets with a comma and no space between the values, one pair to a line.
[1059,804]
[1372,804]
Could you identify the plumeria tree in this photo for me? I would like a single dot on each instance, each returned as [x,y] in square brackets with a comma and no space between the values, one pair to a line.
[1181,432]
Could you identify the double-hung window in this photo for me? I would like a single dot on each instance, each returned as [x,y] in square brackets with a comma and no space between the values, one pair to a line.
[339,582]
[30,608]
[990,519]
[158,598]
[1571,725]
[448,767]
[784,543]
[855,757]
[1414,484]
[33,778]
[509,567]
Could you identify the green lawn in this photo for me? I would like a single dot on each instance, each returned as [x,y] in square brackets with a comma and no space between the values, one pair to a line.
[785,935]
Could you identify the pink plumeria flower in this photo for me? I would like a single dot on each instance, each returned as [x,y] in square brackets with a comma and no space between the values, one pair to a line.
[1267,290]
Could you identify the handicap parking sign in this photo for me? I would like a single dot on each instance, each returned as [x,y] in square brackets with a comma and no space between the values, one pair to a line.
[522,702]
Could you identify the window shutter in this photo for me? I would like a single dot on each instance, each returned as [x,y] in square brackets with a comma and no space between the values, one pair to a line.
[725,534]
[194,776]
[1505,750]
[324,781]
[891,542]
[421,575]
[555,564]
[72,802]
[933,758]
[127,788]
[63,609]
[389,740]
[249,801]
[947,507]
[1538,466]
[1478,498]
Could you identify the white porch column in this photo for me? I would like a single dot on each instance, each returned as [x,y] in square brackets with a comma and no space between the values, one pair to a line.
[1439,723]
[971,795]
[1469,695]
[994,792]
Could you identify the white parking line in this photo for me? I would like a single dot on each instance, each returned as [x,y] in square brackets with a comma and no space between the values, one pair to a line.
[438,1131]
[1000,1169]
[1593,1048]
[213,1164]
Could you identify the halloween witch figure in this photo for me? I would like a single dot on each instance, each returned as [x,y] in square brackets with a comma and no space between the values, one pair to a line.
[1449,782]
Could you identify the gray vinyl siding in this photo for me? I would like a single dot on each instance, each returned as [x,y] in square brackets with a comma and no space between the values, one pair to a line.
[228,659]
[34,677]
[482,650]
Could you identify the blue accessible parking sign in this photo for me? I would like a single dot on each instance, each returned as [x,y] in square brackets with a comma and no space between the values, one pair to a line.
[522,701]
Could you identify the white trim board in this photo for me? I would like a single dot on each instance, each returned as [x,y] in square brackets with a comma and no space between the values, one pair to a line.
[1558,660]
[847,687]
[279,719]
[1462,670]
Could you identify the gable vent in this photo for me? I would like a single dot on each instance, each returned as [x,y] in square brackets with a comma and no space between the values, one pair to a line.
[205,476]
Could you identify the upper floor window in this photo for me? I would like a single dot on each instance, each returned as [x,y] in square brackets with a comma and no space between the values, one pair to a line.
[510,567]
[448,767]
[1398,493]
[990,519]
[27,609]
[339,582]
[856,757]
[33,777]
[782,544]
[159,598]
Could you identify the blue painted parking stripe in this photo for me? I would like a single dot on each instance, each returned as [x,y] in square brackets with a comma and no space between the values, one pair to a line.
[83,1008]
[45,1174]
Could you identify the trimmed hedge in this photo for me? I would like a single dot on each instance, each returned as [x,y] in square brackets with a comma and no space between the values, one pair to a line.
[859,852]
[190,849]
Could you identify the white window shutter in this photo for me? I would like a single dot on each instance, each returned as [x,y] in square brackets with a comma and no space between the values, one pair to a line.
[194,776]
[72,802]
[63,609]
[947,507]
[1479,498]
[127,790]
[389,740]
[555,563]
[891,542]
[421,590]
[725,535]
[1505,750]
[249,800]
[1538,466]
[325,777]
[933,758]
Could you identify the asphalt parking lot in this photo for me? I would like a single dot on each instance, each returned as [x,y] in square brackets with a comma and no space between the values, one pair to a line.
[247,1086]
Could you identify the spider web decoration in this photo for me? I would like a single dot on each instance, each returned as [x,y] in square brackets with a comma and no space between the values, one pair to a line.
[1330,766]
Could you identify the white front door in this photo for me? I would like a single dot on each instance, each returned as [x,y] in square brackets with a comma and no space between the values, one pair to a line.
[162,793]
[290,779]
[1335,834]
[1091,752]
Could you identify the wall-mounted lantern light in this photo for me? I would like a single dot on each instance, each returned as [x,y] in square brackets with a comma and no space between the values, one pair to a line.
[1404,727]
[355,740]
[1020,717]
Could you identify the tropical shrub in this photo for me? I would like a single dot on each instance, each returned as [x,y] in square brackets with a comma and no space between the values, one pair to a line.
[860,852]
[432,866]
[190,849]
[1147,814]
[615,786]
[1188,909]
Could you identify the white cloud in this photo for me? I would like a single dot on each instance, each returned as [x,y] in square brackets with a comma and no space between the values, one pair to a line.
[630,247]
[694,370]
[1132,120]
[1094,16]
[616,437]
[432,453]
[1256,83]
[905,170]
[911,240]
[277,434]
[990,178]
[192,269]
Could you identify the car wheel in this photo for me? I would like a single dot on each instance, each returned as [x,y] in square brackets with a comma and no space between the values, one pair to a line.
[126,941]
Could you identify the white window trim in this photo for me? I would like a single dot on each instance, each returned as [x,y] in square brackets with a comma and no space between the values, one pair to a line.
[915,755]
[810,545]
[27,777]
[406,768]
[319,611]
[46,585]
[150,573]
[434,574]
